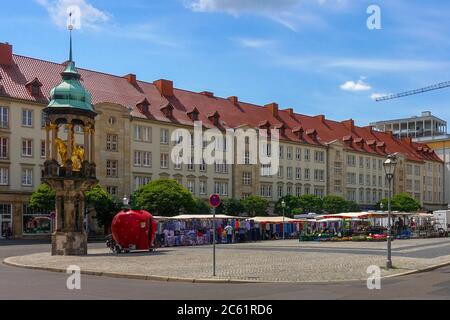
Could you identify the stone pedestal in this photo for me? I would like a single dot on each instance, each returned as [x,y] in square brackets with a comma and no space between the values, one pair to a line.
[69,244]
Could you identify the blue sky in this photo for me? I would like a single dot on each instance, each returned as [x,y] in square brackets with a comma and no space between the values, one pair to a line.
[317,56]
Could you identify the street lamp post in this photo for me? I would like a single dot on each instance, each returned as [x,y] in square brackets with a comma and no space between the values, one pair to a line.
[283,205]
[389,167]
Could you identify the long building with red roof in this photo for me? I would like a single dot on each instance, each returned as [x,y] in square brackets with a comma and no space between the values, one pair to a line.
[135,121]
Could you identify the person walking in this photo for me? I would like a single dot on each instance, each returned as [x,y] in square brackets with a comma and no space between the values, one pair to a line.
[229,230]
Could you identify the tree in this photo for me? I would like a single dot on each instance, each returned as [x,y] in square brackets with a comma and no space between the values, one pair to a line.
[165,197]
[255,206]
[310,204]
[334,204]
[105,206]
[292,205]
[231,207]
[352,206]
[402,202]
[201,207]
[43,199]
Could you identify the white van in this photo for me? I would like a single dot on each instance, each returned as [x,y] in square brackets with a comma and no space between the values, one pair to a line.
[443,219]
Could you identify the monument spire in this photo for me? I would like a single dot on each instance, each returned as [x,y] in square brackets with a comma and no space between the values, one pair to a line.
[70,27]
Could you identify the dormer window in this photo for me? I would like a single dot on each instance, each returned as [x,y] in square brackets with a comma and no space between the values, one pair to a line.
[312,133]
[282,128]
[143,106]
[34,87]
[265,126]
[168,111]
[214,118]
[298,131]
[193,115]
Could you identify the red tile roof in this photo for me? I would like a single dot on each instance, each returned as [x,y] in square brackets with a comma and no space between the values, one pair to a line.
[106,88]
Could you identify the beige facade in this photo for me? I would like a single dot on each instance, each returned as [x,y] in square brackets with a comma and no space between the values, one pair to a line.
[130,152]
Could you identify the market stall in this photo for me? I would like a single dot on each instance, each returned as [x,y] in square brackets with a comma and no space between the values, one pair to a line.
[272,228]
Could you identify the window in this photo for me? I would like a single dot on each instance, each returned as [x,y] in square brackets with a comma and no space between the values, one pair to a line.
[338,186]
[281,152]
[142,159]
[203,166]
[374,164]
[164,161]
[368,180]
[164,136]
[4,146]
[43,149]
[246,178]
[289,153]
[361,179]
[221,188]
[351,178]
[368,163]
[409,184]
[27,177]
[280,191]
[417,170]
[221,167]
[319,192]
[142,133]
[361,162]
[191,166]
[27,148]
[191,186]
[374,181]
[351,160]
[266,191]
[298,173]
[111,168]
[247,157]
[298,154]
[178,163]
[280,172]
[289,190]
[289,173]
[266,170]
[409,169]
[112,121]
[380,165]
[307,174]
[319,156]
[112,190]
[36,222]
[27,118]
[4,176]
[202,187]
[4,117]
[351,195]
[140,181]
[298,191]
[307,155]
[319,175]
[43,119]
[112,142]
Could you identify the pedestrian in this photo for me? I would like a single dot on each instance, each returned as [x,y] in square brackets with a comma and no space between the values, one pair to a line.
[229,230]
[9,233]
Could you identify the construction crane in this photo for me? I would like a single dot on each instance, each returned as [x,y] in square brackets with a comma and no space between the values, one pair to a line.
[438,86]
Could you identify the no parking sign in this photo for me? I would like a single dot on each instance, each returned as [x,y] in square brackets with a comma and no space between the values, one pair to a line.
[214,200]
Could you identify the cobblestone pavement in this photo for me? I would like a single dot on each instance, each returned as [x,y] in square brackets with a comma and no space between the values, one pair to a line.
[284,261]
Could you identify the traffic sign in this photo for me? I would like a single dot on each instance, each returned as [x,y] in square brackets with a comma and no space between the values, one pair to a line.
[214,200]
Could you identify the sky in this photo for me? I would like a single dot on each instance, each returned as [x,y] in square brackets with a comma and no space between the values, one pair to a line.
[316,56]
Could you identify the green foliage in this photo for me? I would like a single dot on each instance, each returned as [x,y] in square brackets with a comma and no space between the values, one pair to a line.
[292,204]
[310,204]
[43,199]
[334,204]
[201,207]
[255,206]
[106,207]
[402,202]
[352,206]
[231,207]
[164,197]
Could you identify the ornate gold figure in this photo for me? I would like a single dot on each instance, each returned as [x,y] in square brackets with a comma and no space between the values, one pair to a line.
[62,150]
[77,157]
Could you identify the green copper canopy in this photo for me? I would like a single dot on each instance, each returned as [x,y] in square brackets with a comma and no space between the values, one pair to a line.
[70,94]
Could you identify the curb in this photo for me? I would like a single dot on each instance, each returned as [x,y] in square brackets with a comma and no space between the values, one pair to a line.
[212,281]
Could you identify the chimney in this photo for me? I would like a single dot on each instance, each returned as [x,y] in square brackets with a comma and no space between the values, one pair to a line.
[321,118]
[234,100]
[6,51]
[131,78]
[165,87]
[349,124]
[273,108]
[208,94]
[290,111]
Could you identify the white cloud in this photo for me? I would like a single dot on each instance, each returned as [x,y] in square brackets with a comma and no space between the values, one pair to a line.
[390,65]
[360,85]
[253,43]
[91,17]
[289,13]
